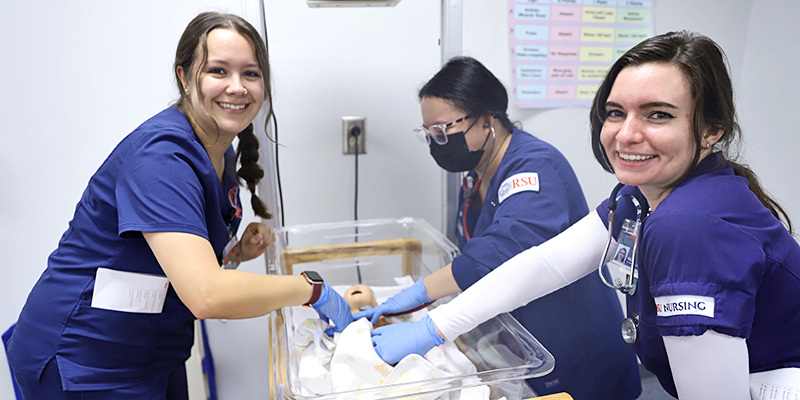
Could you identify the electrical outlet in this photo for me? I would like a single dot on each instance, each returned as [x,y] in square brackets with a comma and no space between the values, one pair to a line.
[353,133]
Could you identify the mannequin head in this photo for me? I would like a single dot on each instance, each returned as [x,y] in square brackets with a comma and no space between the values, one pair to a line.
[360,297]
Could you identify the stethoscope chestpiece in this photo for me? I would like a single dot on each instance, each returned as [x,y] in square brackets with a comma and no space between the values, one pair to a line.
[630,329]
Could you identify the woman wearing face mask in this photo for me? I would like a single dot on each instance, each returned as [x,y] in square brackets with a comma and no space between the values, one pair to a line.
[518,192]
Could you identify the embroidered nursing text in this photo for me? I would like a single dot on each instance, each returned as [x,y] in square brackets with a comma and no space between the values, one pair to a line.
[667,306]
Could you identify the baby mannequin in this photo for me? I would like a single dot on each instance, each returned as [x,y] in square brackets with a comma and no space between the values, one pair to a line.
[360,298]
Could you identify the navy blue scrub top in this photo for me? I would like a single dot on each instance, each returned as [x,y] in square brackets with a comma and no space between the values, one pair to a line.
[533,196]
[713,257]
[158,179]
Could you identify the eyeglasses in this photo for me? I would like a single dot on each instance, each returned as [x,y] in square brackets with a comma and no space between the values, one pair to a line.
[437,132]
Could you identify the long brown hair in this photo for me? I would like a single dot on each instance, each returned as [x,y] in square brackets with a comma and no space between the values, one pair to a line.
[705,70]
[193,49]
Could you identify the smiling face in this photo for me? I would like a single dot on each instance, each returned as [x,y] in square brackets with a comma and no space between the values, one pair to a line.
[229,91]
[647,134]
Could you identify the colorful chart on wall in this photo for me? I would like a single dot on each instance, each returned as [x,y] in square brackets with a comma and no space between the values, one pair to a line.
[561,49]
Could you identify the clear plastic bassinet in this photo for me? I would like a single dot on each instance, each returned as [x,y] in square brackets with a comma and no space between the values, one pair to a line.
[504,353]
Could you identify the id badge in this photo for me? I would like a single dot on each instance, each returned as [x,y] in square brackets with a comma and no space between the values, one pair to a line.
[620,267]
[231,257]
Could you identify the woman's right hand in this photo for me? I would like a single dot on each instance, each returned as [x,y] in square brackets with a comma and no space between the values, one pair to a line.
[409,299]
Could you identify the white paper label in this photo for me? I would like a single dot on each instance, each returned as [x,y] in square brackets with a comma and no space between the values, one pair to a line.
[778,384]
[129,291]
[766,391]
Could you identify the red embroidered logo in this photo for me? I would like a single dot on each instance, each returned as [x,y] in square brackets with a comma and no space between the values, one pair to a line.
[233,195]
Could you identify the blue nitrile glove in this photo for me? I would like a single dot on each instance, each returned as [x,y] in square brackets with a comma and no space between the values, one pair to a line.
[333,306]
[395,341]
[407,300]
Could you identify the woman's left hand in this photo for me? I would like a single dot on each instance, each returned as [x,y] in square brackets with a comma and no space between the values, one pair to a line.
[255,240]
[332,306]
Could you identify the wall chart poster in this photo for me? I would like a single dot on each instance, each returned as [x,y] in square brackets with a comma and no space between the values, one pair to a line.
[561,49]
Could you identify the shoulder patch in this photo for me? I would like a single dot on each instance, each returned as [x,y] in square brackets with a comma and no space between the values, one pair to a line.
[667,306]
[526,181]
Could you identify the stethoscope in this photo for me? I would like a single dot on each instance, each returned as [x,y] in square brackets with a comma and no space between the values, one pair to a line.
[470,188]
[627,284]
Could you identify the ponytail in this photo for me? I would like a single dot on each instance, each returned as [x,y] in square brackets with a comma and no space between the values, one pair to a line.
[763,196]
[250,172]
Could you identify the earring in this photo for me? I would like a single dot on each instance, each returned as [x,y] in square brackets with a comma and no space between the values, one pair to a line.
[186,90]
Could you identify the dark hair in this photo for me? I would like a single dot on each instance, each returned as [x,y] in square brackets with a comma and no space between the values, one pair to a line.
[705,70]
[470,87]
[192,48]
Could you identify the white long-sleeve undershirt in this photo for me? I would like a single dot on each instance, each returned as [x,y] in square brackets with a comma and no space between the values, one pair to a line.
[527,276]
[712,365]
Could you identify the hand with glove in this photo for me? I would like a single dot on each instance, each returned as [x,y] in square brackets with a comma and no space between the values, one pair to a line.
[333,306]
[395,341]
[410,299]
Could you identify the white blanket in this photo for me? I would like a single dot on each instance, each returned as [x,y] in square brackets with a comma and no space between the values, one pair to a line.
[349,362]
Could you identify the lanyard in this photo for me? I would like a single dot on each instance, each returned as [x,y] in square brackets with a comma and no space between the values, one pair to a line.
[620,270]
[469,193]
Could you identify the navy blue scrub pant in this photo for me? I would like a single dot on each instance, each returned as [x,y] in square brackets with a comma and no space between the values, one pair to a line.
[48,387]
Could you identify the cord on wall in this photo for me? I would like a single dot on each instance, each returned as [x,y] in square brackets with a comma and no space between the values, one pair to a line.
[355,131]
[274,120]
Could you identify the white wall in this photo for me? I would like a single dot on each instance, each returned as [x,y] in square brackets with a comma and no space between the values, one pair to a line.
[768,99]
[758,37]
[332,62]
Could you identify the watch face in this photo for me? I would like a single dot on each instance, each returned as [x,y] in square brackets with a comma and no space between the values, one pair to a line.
[313,276]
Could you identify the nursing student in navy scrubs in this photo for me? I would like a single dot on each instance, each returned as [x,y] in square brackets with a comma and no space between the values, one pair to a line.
[518,192]
[715,307]
[112,316]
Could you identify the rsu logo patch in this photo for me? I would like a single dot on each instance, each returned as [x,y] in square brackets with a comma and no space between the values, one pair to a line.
[526,181]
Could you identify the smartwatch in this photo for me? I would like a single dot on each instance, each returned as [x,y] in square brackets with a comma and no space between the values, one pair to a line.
[316,282]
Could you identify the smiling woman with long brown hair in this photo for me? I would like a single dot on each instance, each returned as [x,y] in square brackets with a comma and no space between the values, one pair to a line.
[112,316]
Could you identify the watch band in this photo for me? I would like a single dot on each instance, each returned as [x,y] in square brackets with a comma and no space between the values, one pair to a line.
[316,283]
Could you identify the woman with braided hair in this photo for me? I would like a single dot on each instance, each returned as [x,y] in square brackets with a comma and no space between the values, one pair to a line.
[112,316]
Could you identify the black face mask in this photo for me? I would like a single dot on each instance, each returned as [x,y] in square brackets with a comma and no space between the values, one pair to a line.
[455,156]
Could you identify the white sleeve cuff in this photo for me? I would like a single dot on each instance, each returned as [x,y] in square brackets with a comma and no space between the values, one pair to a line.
[709,366]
